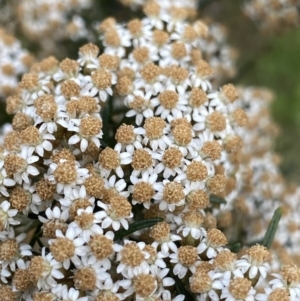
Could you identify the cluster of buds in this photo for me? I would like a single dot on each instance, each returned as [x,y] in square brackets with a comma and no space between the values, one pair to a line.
[14,61]
[273,16]
[211,38]
[48,22]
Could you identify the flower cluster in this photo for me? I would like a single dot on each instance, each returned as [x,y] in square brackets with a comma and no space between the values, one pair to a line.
[48,22]
[133,134]
[14,61]
[207,41]
[273,16]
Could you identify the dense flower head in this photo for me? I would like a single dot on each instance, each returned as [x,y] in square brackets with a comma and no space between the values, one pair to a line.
[135,131]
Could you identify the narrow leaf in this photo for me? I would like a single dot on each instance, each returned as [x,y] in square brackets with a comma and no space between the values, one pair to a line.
[137,226]
[235,247]
[216,199]
[269,236]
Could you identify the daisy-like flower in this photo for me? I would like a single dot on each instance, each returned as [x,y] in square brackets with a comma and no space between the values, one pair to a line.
[68,69]
[67,248]
[49,115]
[7,216]
[201,75]
[174,54]
[192,222]
[89,274]
[211,119]
[140,32]
[88,129]
[255,262]
[178,81]
[277,293]
[169,195]
[142,190]
[86,223]
[114,187]
[116,213]
[142,162]
[226,266]
[227,95]
[116,40]
[66,174]
[155,133]
[5,181]
[171,162]
[36,140]
[239,289]
[88,54]
[127,139]
[204,282]
[77,193]
[133,259]
[144,285]
[103,249]
[24,198]
[289,279]
[150,79]
[110,159]
[34,85]
[213,243]
[100,83]
[20,166]
[140,106]
[163,238]
[12,251]
[186,258]
[43,270]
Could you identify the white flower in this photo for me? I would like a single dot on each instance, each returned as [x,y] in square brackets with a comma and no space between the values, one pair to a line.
[245,293]
[113,215]
[27,169]
[41,143]
[65,186]
[86,223]
[130,265]
[50,272]
[21,251]
[140,105]
[78,242]
[83,138]
[6,216]
[169,195]
[75,194]
[138,184]
[181,267]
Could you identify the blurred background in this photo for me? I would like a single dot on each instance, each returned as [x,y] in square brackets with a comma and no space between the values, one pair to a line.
[266,55]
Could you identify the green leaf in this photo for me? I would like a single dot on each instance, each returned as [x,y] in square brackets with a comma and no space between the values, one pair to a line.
[137,226]
[269,236]
[216,199]
[235,247]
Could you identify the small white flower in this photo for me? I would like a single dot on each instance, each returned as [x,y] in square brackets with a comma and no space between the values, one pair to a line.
[7,216]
